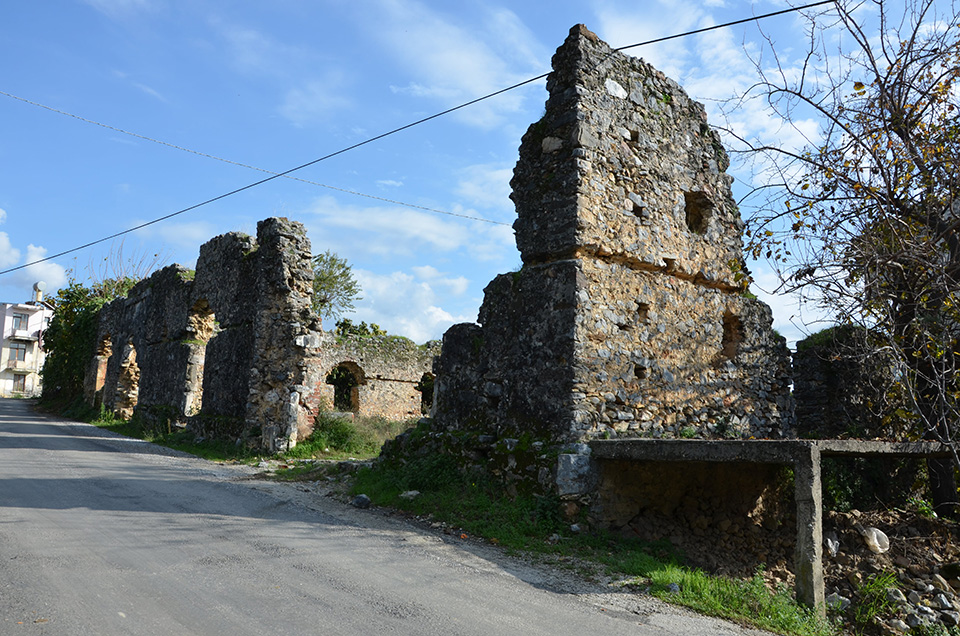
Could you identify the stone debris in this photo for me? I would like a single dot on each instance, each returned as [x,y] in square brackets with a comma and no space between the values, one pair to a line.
[874,538]
[831,542]
[360,501]
[834,600]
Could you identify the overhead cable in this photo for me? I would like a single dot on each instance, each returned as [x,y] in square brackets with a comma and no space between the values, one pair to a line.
[244,165]
[391,132]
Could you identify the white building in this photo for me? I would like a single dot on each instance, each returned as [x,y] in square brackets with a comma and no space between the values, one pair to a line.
[21,357]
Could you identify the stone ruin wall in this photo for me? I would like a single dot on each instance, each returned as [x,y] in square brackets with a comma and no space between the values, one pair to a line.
[842,387]
[628,317]
[234,350]
[388,369]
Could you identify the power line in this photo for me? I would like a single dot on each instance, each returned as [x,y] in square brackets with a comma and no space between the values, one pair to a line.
[244,165]
[726,24]
[277,175]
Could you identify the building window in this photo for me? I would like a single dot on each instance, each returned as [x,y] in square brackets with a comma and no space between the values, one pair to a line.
[20,321]
[18,351]
[20,383]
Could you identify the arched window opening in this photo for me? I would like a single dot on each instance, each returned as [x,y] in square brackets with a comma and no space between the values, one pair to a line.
[346,377]
[425,387]
[128,383]
[104,352]
[201,327]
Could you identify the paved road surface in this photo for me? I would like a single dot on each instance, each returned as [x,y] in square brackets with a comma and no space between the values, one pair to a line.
[105,536]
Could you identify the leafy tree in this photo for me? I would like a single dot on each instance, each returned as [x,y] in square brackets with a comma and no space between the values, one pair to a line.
[70,339]
[866,220]
[345,327]
[334,287]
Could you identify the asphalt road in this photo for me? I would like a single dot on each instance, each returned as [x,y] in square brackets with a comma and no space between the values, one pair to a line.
[103,535]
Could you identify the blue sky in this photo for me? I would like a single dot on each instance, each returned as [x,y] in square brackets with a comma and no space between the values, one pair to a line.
[277,84]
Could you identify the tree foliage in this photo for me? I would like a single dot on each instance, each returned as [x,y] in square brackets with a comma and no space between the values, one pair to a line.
[345,328]
[70,339]
[334,287]
[866,219]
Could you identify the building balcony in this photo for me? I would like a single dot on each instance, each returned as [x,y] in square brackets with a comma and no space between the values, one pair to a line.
[20,365]
[25,335]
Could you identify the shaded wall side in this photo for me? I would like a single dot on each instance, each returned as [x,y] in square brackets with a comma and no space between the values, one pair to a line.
[225,280]
[514,375]
[283,323]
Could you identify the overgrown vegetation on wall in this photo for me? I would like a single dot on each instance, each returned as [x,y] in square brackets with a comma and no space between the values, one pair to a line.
[69,341]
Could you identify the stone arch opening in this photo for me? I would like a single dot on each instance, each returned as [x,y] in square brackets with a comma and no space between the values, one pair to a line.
[699,209]
[128,383]
[732,336]
[346,379]
[201,328]
[104,353]
[425,387]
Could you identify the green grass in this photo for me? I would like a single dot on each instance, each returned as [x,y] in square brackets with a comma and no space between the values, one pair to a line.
[332,438]
[873,600]
[337,437]
[533,525]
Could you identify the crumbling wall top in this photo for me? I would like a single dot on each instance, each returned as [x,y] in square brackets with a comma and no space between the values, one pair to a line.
[624,165]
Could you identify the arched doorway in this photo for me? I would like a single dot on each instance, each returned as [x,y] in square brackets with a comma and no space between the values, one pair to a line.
[346,379]
[128,383]
[201,327]
[425,387]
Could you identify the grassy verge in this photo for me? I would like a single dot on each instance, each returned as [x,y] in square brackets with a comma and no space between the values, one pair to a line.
[334,437]
[533,525]
[528,524]
[340,437]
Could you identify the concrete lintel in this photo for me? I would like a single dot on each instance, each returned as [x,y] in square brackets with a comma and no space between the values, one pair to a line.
[859,448]
[698,450]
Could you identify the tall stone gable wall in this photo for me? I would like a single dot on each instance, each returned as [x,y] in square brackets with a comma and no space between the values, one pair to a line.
[234,349]
[628,317]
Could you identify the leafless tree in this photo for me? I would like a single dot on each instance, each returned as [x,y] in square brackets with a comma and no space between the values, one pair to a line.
[865,220]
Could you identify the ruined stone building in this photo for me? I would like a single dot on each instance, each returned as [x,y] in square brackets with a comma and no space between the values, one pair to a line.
[234,349]
[629,316]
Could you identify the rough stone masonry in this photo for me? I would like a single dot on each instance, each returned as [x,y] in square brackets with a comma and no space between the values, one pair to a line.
[233,350]
[629,317]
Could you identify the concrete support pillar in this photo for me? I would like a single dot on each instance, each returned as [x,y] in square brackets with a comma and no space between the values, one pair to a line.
[809,557]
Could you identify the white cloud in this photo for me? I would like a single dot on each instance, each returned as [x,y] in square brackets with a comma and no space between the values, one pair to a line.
[189,235]
[314,100]
[390,183]
[453,63]
[149,91]
[251,50]
[401,304]
[486,186]
[622,24]
[121,8]
[393,230]
[3,215]
[455,286]
[794,319]
[9,255]
[50,272]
